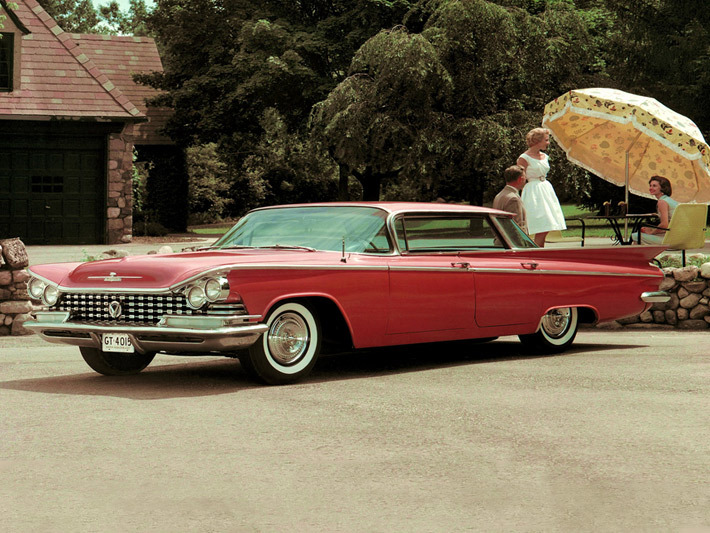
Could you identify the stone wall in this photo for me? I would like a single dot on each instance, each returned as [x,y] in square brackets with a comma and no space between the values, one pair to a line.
[15,304]
[689,306]
[119,210]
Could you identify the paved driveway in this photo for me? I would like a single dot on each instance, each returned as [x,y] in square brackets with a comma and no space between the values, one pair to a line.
[612,436]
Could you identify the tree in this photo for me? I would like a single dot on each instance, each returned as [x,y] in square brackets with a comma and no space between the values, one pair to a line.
[372,120]
[130,22]
[73,16]
[79,16]
[662,51]
[229,61]
[285,167]
[446,110]
[207,184]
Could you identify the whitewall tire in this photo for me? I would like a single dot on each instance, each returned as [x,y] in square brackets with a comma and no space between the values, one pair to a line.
[288,350]
[558,328]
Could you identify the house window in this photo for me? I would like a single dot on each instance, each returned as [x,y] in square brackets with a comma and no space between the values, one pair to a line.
[6,53]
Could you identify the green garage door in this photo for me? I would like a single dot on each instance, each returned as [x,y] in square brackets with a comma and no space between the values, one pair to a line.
[52,188]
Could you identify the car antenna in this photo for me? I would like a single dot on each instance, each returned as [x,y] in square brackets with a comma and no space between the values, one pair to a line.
[342,257]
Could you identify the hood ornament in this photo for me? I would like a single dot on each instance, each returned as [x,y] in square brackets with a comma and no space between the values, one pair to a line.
[113,277]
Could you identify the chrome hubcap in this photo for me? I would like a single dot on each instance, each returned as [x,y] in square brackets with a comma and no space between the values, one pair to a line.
[288,338]
[556,322]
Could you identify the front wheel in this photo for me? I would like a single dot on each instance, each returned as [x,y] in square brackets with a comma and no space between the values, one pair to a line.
[288,350]
[558,329]
[115,364]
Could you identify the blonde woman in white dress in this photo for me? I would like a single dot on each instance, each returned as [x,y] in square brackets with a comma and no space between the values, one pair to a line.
[544,213]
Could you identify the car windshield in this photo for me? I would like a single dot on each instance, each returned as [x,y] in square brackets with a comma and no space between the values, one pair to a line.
[360,229]
[516,236]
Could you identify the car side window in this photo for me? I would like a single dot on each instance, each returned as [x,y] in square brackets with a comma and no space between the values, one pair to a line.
[422,233]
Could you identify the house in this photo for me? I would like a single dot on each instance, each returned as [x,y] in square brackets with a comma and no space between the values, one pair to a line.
[70,115]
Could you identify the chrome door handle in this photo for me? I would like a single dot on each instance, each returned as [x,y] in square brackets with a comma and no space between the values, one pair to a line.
[529,266]
[460,265]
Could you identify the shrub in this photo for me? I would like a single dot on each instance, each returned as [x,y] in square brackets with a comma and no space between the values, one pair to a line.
[149,229]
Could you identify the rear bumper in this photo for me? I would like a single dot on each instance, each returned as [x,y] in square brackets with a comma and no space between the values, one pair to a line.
[655,296]
[181,334]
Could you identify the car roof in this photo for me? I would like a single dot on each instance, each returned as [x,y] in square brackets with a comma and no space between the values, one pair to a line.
[401,207]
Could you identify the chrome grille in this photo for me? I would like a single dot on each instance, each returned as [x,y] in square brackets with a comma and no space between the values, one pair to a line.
[135,308]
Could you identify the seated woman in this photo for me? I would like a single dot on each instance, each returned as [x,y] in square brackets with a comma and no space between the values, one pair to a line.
[661,188]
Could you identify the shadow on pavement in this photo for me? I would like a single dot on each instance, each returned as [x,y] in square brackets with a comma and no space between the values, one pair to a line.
[422,357]
[225,376]
[157,382]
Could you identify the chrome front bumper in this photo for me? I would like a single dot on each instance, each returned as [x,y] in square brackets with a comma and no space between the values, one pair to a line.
[181,334]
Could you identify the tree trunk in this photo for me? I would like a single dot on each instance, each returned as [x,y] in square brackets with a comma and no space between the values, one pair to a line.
[371,189]
[475,191]
[343,192]
[370,184]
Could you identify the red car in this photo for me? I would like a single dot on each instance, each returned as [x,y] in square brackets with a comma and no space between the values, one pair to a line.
[287,281]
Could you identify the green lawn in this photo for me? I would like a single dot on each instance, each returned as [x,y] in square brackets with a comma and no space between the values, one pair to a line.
[594,228]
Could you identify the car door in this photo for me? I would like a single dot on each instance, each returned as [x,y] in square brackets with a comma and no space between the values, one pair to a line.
[431,293]
[509,288]
[431,287]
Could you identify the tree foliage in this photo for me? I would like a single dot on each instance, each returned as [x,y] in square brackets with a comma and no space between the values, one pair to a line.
[445,110]
[405,99]
[372,120]
[207,184]
[74,16]
[80,16]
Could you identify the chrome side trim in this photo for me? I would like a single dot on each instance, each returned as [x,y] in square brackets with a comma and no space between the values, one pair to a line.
[451,268]
[563,272]
[655,296]
[173,288]
[179,334]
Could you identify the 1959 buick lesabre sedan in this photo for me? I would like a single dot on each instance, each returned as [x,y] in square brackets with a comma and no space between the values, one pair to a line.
[287,281]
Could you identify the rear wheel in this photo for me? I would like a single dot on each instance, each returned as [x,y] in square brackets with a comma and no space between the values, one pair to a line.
[115,364]
[288,350]
[558,329]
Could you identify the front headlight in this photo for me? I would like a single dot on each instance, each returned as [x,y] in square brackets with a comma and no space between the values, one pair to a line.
[35,288]
[196,297]
[216,289]
[50,295]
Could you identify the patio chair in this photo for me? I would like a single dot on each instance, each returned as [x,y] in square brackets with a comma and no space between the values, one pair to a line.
[556,235]
[686,229]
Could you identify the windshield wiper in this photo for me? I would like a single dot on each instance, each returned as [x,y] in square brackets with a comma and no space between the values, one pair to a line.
[270,246]
[289,247]
[233,247]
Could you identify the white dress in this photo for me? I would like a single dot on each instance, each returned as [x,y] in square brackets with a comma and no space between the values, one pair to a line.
[541,204]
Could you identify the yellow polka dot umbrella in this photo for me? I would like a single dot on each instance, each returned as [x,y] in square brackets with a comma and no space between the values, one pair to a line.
[625,139]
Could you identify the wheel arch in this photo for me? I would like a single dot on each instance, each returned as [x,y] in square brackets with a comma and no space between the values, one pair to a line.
[337,330]
[586,314]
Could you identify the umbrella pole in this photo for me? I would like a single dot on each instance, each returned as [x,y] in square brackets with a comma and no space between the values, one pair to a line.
[626,195]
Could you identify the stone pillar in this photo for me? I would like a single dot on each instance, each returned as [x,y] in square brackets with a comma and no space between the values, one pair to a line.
[119,210]
[15,304]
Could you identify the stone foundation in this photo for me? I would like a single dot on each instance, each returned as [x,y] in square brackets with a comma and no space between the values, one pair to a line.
[15,304]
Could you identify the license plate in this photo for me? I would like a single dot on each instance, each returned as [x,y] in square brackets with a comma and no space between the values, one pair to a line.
[116,342]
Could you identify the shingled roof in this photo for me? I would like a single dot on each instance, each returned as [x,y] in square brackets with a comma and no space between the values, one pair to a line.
[58,80]
[119,57]
[81,77]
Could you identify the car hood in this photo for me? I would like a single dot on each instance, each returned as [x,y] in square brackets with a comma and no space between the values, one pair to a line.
[163,271]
